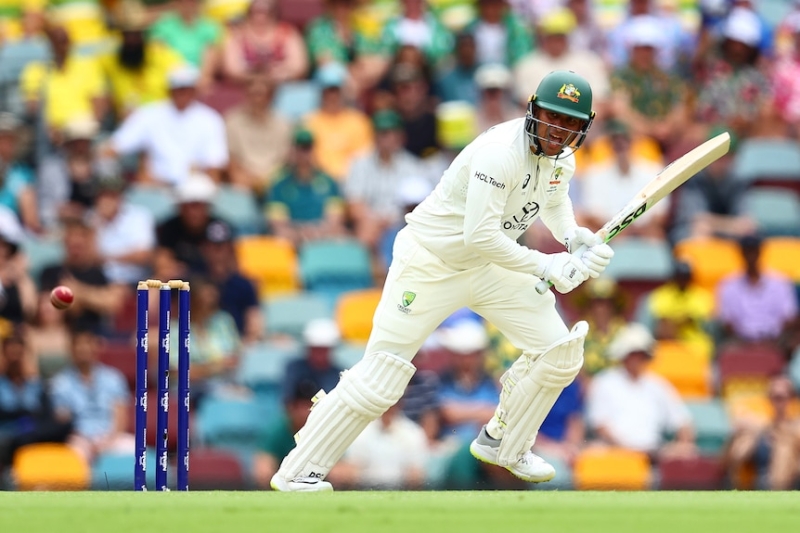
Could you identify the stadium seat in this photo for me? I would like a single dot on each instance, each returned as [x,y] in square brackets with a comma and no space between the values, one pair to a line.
[640,259]
[685,366]
[699,473]
[354,312]
[121,356]
[776,211]
[300,12]
[756,407]
[332,268]
[263,365]
[239,209]
[611,469]
[794,369]
[288,314]
[711,424]
[229,423]
[161,206]
[50,466]
[295,99]
[767,158]
[270,262]
[114,471]
[711,259]
[212,469]
[782,254]
[224,96]
[347,354]
[746,368]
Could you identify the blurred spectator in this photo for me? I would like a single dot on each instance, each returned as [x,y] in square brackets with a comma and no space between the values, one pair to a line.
[410,90]
[468,395]
[305,204]
[500,37]
[755,305]
[181,237]
[555,53]
[390,454]
[341,132]
[786,78]
[682,310]
[278,435]
[421,405]
[320,336]
[458,81]
[193,35]
[563,432]
[15,54]
[648,99]
[126,233]
[713,17]
[711,204]
[26,409]
[785,32]
[587,35]
[495,105]
[410,192]
[16,178]
[629,407]
[237,295]
[97,299]
[17,289]
[417,26]
[48,336]
[177,135]
[261,42]
[602,304]
[334,37]
[733,92]
[771,446]
[608,187]
[95,398]
[137,68]
[66,87]
[259,138]
[372,183]
[215,342]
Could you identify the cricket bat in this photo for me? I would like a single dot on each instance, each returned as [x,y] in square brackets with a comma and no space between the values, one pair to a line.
[670,178]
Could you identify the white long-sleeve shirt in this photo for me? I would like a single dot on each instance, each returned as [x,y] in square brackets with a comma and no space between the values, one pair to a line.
[492,192]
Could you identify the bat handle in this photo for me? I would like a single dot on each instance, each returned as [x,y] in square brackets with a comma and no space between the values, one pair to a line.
[543,285]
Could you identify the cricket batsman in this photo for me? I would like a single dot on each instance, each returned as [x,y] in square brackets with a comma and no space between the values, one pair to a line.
[459,249]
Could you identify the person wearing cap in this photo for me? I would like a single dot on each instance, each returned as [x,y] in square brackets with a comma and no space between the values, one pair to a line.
[181,237]
[756,305]
[126,233]
[177,135]
[494,105]
[264,43]
[371,188]
[500,36]
[237,294]
[341,131]
[457,83]
[554,53]
[629,407]
[321,336]
[460,248]
[786,77]
[17,187]
[305,204]
[259,138]
[418,26]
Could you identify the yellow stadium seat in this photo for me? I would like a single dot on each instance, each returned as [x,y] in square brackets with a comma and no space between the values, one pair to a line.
[711,259]
[354,312]
[685,366]
[782,254]
[50,466]
[756,407]
[611,469]
[270,262]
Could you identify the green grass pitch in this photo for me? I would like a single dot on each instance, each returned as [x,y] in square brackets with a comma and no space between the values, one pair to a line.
[407,512]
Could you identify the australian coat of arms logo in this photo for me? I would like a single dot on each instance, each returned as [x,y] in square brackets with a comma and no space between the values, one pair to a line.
[569,92]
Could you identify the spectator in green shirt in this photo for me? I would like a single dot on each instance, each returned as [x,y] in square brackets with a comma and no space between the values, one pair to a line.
[417,26]
[500,36]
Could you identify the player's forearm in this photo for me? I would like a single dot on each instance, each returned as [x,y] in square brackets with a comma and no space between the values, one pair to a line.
[559,218]
[497,248]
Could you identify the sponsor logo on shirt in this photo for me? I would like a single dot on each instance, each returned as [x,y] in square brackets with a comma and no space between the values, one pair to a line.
[490,180]
[521,220]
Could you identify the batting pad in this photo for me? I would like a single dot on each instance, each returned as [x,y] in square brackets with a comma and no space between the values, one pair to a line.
[363,394]
[531,387]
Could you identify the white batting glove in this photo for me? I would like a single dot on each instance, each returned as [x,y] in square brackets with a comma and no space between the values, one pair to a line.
[598,254]
[563,270]
[578,237]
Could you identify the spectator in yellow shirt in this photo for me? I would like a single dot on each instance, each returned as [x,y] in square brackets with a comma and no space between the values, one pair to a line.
[67,87]
[682,310]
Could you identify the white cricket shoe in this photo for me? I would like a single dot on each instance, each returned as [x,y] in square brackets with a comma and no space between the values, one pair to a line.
[300,484]
[530,467]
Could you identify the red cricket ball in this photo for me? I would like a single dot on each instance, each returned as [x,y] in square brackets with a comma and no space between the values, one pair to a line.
[61,297]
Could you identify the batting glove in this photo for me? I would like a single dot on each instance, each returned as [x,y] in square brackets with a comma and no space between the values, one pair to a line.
[597,255]
[563,270]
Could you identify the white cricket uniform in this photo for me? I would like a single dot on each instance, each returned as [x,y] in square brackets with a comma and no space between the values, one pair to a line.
[459,247]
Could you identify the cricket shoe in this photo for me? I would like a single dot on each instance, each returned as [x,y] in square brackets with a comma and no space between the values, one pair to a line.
[300,484]
[530,466]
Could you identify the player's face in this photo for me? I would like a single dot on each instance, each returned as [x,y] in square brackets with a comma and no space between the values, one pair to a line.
[556,130]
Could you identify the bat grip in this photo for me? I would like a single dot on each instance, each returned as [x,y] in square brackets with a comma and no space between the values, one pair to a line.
[543,285]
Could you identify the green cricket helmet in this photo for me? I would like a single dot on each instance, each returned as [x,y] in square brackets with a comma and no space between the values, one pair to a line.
[565,92]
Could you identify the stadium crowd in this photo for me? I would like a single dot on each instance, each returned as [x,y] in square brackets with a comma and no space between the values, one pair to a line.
[267,150]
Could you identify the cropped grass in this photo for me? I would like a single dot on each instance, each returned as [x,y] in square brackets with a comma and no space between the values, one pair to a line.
[407,512]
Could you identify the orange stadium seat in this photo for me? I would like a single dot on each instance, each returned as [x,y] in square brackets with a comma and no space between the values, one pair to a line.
[270,262]
[50,466]
[782,254]
[611,469]
[685,366]
[711,259]
[354,312]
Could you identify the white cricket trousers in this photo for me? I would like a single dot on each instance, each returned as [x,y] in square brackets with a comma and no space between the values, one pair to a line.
[505,298]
